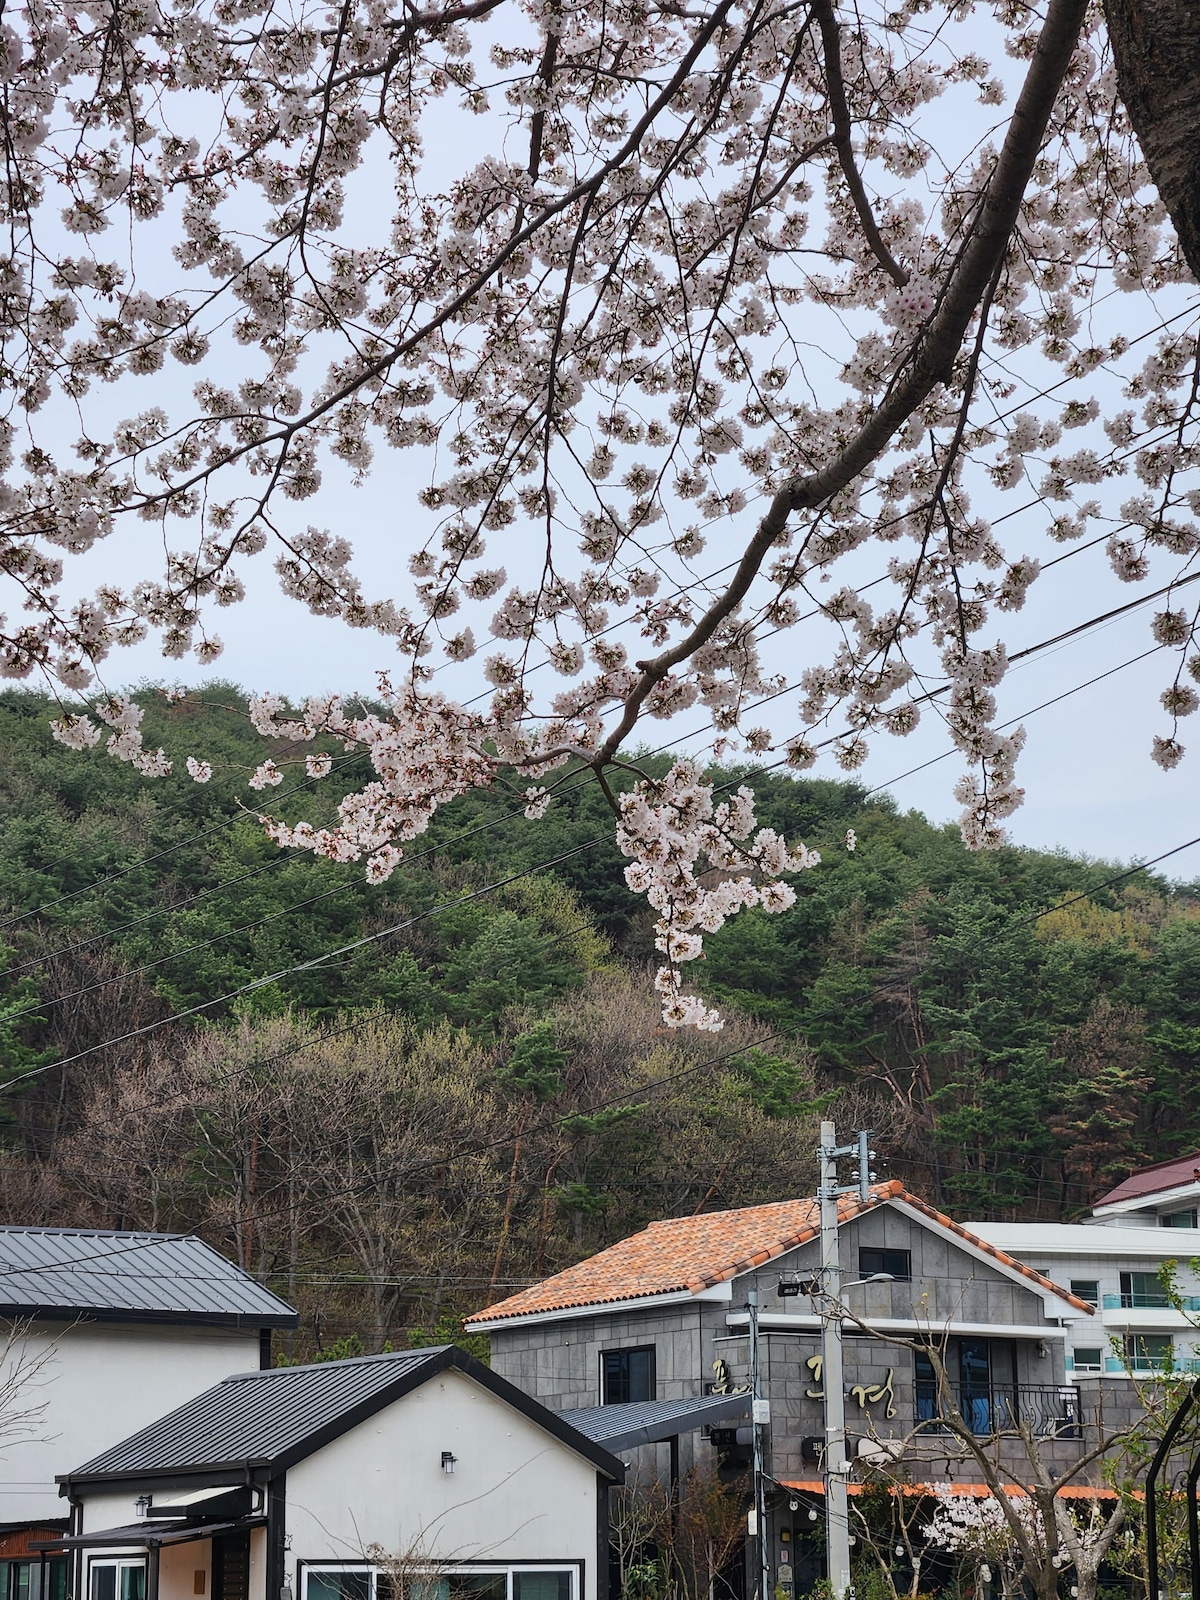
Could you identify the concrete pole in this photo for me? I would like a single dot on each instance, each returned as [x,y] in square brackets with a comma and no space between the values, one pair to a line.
[757,1423]
[837,1517]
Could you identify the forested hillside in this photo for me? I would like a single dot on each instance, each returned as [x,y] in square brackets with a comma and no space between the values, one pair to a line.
[481,1090]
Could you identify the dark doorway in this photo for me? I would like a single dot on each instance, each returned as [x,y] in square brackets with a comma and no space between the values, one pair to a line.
[231,1567]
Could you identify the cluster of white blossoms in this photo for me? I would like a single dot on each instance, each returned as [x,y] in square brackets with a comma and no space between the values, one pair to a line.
[123,716]
[678,835]
[425,751]
[979,1525]
[677,261]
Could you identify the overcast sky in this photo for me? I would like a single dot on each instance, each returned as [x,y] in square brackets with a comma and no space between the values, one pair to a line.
[1090,784]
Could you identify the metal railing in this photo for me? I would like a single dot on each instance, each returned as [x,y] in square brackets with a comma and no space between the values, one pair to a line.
[1051,1412]
[1150,1300]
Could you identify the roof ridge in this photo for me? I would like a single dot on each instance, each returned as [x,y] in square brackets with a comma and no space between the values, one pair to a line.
[995,1251]
[94,1233]
[338,1365]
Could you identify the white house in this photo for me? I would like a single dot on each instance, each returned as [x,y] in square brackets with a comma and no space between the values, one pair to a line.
[1114,1260]
[326,1482]
[104,1331]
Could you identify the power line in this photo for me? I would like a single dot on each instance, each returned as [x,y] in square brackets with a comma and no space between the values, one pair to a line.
[483,1146]
[113,877]
[317,961]
[304,966]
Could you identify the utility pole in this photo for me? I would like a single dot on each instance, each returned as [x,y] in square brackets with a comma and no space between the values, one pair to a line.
[760,1416]
[836,1467]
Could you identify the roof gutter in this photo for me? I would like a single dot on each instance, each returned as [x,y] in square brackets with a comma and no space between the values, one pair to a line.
[69,1483]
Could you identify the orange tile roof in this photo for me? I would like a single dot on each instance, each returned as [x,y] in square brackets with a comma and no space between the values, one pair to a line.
[688,1254]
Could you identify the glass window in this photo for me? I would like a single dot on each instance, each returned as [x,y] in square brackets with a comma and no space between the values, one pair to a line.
[1149,1352]
[1142,1289]
[541,1586]
[467,1583]
[118,1580]
[1089,1360]
[1087,1289]
[896,1263]
[336,1583]
[1178,1219]
[626,1376]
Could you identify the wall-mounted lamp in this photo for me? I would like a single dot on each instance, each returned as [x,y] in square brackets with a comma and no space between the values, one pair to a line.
[449,1462]
[1043,1349]
[142,1505]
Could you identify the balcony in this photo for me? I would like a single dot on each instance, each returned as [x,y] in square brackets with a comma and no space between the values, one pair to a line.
[1150,1300]
[1052,1413]
[1146,1366]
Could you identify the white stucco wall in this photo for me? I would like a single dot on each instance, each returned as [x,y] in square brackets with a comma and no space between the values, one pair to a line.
[517,1494]
[100,1382]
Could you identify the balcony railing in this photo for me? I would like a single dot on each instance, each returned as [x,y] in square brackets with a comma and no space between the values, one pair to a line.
[1149,1300]
[1146,1366]
[1051,1413]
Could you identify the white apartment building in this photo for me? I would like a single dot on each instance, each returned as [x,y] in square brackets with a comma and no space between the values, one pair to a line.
[1114,1260]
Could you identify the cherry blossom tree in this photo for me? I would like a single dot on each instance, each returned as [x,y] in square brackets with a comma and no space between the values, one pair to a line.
[754,275]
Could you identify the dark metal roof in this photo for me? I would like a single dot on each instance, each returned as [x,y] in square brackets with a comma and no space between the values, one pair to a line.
[261,1422]
[68,1273]
[648,1421]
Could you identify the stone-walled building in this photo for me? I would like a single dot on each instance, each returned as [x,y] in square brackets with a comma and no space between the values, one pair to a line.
[664,1317]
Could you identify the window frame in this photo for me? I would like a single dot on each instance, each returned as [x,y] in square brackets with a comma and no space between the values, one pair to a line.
[1088,1367]
[1078,1285]
[629,1350]
[883,1251]
[116,1561]
[1144,1363]
[1166,1219]
[574,1570]
[1143,1299]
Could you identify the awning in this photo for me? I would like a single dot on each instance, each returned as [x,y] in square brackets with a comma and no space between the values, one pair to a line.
[650,1421]
[143,1535]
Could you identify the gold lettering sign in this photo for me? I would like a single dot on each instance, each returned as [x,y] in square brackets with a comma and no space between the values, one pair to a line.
[814,1365]
[724,1383]
[870,1394]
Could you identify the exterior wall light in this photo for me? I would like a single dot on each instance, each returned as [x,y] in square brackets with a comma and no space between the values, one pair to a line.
[449,1462]
[142,1505]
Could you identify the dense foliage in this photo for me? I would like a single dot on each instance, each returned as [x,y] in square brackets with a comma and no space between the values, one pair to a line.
[397,1133]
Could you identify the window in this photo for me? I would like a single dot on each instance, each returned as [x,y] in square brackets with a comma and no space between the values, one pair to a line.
[1149,1352]
[20,1580]
[1090,1359]
[1087,1289]
[626,1375]
[896,1263]
[124,1579]
[1178,1219]
[340,1583]
[1142,1289]
[462,1583]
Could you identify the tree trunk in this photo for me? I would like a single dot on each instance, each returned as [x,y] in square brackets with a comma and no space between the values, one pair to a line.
[1156,45]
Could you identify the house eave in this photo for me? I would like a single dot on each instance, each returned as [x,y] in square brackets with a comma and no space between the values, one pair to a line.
[480,1323]
[803,1322]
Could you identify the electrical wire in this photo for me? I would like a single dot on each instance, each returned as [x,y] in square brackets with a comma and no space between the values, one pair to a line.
[481,1146]
[113,877]
[355,945]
